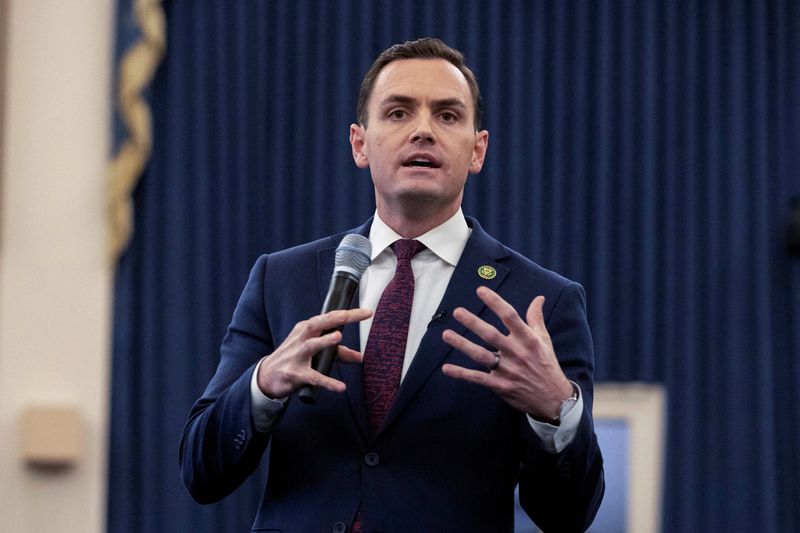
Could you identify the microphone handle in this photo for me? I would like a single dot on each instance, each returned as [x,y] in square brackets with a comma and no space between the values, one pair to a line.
[340,296]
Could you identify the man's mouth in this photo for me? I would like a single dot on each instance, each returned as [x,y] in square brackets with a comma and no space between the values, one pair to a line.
[421,161]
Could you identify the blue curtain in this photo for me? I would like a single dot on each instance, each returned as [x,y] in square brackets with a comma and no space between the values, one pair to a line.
[647,149]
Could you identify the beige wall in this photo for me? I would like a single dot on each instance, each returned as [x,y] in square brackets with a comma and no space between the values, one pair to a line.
[54,281]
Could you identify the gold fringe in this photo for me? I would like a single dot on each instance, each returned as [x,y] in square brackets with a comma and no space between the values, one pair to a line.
[136,71]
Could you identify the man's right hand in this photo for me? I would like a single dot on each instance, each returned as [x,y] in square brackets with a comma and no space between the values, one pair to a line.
[288,368]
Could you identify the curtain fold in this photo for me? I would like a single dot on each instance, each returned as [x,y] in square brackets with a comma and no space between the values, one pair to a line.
[139,47]
[645,149]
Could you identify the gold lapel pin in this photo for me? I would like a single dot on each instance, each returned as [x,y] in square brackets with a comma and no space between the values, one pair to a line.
[487,272]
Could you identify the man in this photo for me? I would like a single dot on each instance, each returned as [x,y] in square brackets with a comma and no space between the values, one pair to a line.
[494,390]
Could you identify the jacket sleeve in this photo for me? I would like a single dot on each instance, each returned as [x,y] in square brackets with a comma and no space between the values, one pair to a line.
[562,492]
[220,447]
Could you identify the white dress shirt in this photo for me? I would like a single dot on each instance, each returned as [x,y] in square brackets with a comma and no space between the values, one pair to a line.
[432,269]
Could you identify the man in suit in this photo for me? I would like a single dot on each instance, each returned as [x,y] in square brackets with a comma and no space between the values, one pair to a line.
[486,383]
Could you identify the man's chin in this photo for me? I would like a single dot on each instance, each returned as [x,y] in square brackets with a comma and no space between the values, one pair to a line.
[426,201]
[421,195]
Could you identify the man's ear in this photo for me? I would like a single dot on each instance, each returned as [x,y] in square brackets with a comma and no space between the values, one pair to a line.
[479,151]
[359,145]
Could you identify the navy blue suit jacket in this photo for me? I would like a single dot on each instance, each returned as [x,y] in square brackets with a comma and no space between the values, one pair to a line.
[449,453]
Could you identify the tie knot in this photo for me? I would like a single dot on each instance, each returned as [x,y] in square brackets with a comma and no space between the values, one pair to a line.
[407,248]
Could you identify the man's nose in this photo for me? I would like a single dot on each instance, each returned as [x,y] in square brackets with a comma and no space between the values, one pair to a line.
[423,130]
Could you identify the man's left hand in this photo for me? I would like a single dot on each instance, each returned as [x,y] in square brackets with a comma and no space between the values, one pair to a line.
[523,368]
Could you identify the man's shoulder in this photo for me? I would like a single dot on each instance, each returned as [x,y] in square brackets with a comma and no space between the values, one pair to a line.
[516,261]
[523,262]
[312,248]
[307,248]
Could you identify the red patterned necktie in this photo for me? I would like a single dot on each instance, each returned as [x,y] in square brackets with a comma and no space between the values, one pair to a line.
[386,344]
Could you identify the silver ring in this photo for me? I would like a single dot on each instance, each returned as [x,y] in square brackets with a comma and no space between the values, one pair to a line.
[496,362]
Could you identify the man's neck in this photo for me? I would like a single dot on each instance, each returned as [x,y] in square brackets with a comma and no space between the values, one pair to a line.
[412,225]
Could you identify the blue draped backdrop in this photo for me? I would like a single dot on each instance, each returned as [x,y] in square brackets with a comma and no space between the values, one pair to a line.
[647,149]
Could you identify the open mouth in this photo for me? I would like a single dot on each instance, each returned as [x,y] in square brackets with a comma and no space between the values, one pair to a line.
[421,162]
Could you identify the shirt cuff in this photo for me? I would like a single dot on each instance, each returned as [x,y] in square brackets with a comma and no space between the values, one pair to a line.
[555,438]
[265,410]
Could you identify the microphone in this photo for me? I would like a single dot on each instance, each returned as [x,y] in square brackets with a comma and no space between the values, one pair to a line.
[352,259]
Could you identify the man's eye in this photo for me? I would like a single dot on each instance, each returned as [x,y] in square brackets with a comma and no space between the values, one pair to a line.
[449,117]
[397,114]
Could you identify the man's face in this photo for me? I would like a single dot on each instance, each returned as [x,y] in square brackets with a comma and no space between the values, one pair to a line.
[420,143]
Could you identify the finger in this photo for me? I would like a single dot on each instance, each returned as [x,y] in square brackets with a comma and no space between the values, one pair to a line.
[504,310]
[481,328]
[477,353]
[348,355]
[316,379]
[315,344]
[343,316]
[473,376]
[335,319]
[534,315]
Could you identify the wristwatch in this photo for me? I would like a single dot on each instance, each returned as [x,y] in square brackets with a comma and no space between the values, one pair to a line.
[566,405]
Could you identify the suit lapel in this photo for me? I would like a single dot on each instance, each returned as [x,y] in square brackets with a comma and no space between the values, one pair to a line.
[481,250]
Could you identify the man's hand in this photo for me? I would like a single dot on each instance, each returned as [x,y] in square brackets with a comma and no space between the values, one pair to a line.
[527,374]
[288,368]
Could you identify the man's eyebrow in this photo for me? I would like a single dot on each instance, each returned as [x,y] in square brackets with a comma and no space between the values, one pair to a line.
[449,102]
[398,99]
[408,100]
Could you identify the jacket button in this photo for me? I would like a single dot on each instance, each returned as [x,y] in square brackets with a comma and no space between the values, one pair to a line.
[372,459]
[339,527]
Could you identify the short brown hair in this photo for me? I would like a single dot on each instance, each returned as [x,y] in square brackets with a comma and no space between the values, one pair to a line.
[425,48]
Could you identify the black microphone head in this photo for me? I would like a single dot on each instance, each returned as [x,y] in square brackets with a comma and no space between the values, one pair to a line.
[353,255]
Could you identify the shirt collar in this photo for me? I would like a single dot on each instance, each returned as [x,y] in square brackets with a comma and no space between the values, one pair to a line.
[447,240]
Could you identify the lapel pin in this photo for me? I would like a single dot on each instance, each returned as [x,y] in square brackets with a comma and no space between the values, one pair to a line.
[487,272]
